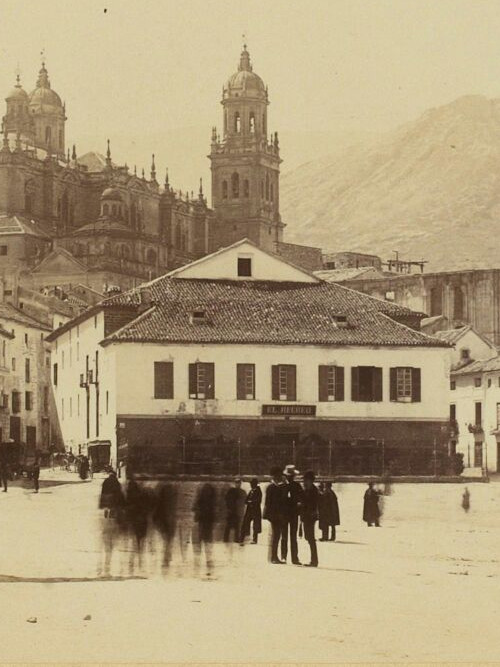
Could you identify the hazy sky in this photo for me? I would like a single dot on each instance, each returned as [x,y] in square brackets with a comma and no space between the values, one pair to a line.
[148,74]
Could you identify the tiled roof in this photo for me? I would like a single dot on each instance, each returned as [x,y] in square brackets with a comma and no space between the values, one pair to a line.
[264,312]
[452,335]
[8,312]
[15,224]
[338,275]
[481,366]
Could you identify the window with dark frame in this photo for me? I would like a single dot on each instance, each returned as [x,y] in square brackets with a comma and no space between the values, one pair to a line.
[55,375]
[244,266]
[453,412]
[330,383]
[202,381]
[245,382]
[366,384]
[27,370]
[477,381]
[453,385]
[28,400]
[405,384]
[478,413]
[284,382]
[163,380]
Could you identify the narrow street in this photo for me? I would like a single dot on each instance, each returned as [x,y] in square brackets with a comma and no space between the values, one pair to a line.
[423,587]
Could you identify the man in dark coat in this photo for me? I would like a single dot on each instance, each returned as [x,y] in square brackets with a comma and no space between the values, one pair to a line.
[136,512]
[235,506]
[165,519]
[253,513]
[309,514]
[275,511]
[35,474]
[293,500]
[328,512]
[112,502]
[371,510]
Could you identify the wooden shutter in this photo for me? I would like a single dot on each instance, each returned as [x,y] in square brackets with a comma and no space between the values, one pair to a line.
[164,379]
[339,383]
[394,384]
[323,383]
[240,381]
[377,384]
[291,383]
[416,385]
[355,383]
[275,385]
[193,388]
[210,380]
[55,375]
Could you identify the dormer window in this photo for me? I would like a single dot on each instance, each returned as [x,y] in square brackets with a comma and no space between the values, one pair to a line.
[244,267]
[465,354]
[340,321]
[199,317]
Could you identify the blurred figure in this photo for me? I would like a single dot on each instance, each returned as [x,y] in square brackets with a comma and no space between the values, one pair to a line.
[293,500]
[371,510]
[275,511]
[84,467]
[253,512]
[136,512]
[35,475]
[204,515]
[235,506]
[112,502]
[165,519]
[329,516]
[309,514]
[466,500]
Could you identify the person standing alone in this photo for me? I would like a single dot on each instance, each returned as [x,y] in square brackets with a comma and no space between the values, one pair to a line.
[293,500]
[275,511]
[235,506]
[371,509]
[309,514]
[328,512]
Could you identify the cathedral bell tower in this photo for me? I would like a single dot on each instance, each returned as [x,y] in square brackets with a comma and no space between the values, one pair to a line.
[245,164]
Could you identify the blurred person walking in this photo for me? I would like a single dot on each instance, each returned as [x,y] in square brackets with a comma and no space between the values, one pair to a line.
[275,511]
[329,516]
[235,507]
[204,515]
[35,475]
[112,502]
[165,519]
[371,509]
[294,494]
[466,500]
[253,512]
[309,510]
[136,512]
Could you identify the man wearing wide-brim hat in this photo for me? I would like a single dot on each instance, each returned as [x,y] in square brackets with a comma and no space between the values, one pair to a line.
[294,493]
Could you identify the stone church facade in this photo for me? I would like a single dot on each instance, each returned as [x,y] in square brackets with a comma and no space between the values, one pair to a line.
[67,219]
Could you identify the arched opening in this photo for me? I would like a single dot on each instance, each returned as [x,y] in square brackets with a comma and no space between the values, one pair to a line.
[235,185]
[105,209]
[458,303]
[252,122]
[272,192]
[224,189]
[246,189]
[237,122]
[48,134]
[113,210]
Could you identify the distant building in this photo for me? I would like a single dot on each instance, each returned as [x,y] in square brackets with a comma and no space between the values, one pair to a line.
[240,360]
[346,275]
[350,260]
[69,219]
[462,297]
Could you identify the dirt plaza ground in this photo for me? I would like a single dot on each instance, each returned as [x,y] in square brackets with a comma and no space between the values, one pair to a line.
[423,587]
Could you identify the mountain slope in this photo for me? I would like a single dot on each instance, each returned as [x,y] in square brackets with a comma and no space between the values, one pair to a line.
[431,189]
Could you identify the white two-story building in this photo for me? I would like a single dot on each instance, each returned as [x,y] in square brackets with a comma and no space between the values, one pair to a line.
[241,359]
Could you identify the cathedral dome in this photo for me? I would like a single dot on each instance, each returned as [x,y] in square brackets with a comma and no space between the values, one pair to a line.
[43,95]
[111,194]
[17,94]
[245,80]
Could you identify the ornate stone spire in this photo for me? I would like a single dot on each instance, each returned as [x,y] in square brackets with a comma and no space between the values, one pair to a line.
[43,78]
[245,64]
[153,168]
[108,157]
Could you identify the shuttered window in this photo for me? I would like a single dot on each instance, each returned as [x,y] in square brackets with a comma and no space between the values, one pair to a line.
[405,384]
[28,400]
[366,383]
[164,379]
[245,382]
[55,375]
[284,382]
[331,383]
[16,402]
[201,380]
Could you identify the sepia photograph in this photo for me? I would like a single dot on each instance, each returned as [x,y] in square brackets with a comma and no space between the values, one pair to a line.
[249,309]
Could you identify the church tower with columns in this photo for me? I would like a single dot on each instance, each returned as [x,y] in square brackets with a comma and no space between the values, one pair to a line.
[245,164]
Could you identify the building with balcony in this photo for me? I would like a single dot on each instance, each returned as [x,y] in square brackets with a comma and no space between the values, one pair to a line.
[241,359]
